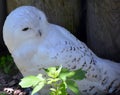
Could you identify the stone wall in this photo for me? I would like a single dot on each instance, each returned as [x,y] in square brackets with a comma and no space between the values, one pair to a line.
[103,28]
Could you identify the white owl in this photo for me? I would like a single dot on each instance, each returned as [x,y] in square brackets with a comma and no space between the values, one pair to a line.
[35,44]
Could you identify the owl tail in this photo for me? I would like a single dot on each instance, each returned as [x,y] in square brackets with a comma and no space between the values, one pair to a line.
[113,76]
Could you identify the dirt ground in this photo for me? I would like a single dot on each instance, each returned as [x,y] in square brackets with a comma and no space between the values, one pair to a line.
[9,80]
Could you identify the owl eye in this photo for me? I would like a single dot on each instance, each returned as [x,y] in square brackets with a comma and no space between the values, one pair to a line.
[25,29]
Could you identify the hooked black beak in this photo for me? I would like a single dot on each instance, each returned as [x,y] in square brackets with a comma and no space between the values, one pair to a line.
[39,32]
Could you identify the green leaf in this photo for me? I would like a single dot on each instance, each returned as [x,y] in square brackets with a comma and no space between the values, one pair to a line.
[40,77]
[66,73]
[29,81]
[7,69]
[53,89]
[63,88]
[58,71]
[37,88]
[79,74]
[52,93]
[51,80]
[53,71]
[73,86]
[76,75]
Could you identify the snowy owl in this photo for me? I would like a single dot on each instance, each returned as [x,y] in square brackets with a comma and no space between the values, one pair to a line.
[35,44]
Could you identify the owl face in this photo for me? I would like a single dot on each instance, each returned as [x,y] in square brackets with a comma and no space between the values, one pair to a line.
[23,24]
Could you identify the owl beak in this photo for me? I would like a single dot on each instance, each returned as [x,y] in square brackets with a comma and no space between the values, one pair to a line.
[39,32]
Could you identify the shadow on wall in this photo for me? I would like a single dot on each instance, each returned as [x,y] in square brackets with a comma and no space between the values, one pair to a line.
[3,14]
[81,33]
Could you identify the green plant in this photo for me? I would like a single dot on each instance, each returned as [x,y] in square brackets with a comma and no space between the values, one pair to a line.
[2,93]
[60,79]
[6,63]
